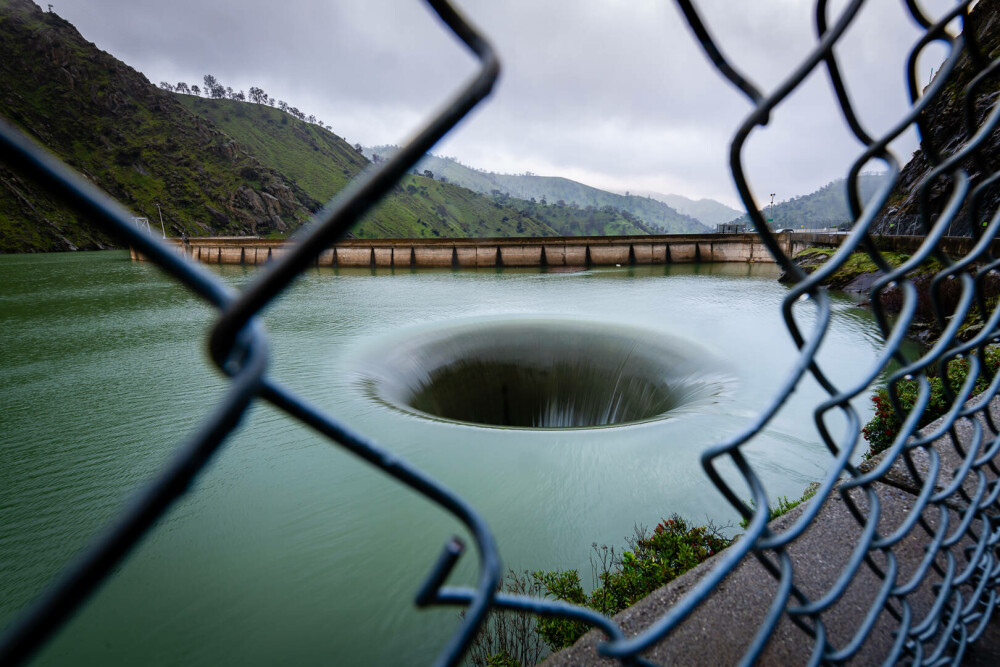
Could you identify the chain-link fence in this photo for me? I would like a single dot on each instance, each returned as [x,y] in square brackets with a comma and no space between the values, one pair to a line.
[948,464]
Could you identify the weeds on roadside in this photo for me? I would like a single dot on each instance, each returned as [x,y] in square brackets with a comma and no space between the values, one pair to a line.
[784,506]
[620,579]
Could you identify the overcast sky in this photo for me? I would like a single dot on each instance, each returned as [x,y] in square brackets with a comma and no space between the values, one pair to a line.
[613,93]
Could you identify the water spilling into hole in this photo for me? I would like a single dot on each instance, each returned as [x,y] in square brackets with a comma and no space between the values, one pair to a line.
[544,374]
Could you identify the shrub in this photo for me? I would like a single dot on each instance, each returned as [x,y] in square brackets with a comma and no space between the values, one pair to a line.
[508,638]
[648,563]
[883,428]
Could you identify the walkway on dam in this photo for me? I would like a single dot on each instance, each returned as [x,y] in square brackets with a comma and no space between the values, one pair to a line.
[576,251]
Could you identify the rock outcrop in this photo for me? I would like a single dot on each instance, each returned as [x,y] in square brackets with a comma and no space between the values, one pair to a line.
[945,132]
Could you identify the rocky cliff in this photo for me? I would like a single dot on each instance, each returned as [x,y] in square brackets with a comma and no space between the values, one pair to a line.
[945,132]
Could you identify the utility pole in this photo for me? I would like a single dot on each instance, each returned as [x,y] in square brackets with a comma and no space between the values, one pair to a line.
[162,228]
[770,218]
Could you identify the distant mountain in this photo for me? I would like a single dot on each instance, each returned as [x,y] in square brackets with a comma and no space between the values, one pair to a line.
[706,211]
[552,190]
[826,207]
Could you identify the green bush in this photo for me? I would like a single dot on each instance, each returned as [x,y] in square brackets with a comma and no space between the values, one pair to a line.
[883,428]
[649,562]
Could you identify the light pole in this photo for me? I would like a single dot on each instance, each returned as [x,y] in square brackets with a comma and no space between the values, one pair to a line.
[771,217]
[162,229]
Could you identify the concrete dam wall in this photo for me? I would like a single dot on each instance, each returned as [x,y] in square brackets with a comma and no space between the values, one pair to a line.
[578,251]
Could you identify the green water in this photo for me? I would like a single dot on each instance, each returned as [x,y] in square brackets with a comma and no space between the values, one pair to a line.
[289,550]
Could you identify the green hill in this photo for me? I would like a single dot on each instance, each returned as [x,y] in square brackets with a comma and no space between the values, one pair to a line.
[552,190]
[321,163]
[826,207]
[136,142]
[419,206]
[571,220]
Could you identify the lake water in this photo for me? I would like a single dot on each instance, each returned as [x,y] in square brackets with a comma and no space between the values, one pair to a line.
[290,551]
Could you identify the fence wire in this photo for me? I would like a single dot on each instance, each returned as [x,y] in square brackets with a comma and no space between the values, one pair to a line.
[950,464]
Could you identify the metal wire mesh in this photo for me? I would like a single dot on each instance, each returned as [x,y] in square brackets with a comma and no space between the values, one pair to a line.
[949,464]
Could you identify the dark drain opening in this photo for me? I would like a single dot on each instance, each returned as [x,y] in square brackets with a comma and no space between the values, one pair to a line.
[545,374]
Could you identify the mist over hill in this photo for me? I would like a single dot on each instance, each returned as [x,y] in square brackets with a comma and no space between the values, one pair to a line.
[706,211]
[552,190]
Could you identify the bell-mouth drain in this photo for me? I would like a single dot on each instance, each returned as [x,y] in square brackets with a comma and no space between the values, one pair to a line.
[544,374]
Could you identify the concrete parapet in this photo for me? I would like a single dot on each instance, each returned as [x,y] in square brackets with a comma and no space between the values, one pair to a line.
[487,255]
[354,257]
[326,258]
[723,627]
[382,256]
[466,256]
[609,255]
[433,256]
[402,257]
[521,255]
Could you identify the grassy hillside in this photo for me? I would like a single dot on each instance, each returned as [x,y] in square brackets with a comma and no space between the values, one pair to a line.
[826,207]
[136,142]
[419,206]
[319,161]
[571,220]
[322,163]
[553,190]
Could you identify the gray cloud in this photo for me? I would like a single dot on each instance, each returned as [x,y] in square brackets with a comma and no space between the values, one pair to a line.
[613,93]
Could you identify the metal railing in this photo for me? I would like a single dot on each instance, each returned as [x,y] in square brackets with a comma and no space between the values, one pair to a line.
[961,546]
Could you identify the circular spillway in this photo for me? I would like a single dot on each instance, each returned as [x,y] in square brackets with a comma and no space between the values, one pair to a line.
[547,374]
